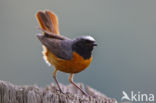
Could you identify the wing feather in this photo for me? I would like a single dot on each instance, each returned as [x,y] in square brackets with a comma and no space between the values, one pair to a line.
[61,48]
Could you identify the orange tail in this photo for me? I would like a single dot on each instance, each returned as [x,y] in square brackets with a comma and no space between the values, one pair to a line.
[48,21]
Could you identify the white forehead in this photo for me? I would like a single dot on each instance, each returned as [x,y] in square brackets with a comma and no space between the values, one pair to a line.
[89,38]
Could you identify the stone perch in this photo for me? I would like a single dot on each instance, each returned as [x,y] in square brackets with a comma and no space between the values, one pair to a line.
[10,93]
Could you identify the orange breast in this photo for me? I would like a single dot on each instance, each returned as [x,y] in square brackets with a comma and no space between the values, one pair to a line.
[75,65]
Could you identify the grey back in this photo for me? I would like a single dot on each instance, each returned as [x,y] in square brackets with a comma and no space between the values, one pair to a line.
[62,48]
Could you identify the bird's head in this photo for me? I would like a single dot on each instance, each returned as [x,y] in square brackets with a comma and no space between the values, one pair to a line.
[84,45]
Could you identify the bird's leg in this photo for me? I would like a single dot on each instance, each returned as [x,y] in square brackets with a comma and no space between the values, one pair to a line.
[71,81]
[54,76]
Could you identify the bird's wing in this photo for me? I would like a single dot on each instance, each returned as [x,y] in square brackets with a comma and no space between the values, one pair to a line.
[48,21]
[60,48]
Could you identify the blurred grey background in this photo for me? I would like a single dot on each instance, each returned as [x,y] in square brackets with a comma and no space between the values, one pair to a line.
[125,31]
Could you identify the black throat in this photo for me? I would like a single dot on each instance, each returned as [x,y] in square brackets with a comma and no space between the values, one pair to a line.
[85,52]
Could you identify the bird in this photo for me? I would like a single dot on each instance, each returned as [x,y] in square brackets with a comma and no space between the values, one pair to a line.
[66,55]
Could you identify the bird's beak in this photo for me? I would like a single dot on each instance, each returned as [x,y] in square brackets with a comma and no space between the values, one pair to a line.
[94,44]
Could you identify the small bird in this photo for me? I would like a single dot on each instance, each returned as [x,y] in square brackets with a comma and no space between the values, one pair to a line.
[67,55]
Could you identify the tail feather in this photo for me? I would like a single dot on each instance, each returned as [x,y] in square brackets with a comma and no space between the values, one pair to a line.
[48,21]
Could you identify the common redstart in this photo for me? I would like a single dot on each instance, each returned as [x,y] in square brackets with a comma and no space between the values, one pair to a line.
[65,54]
